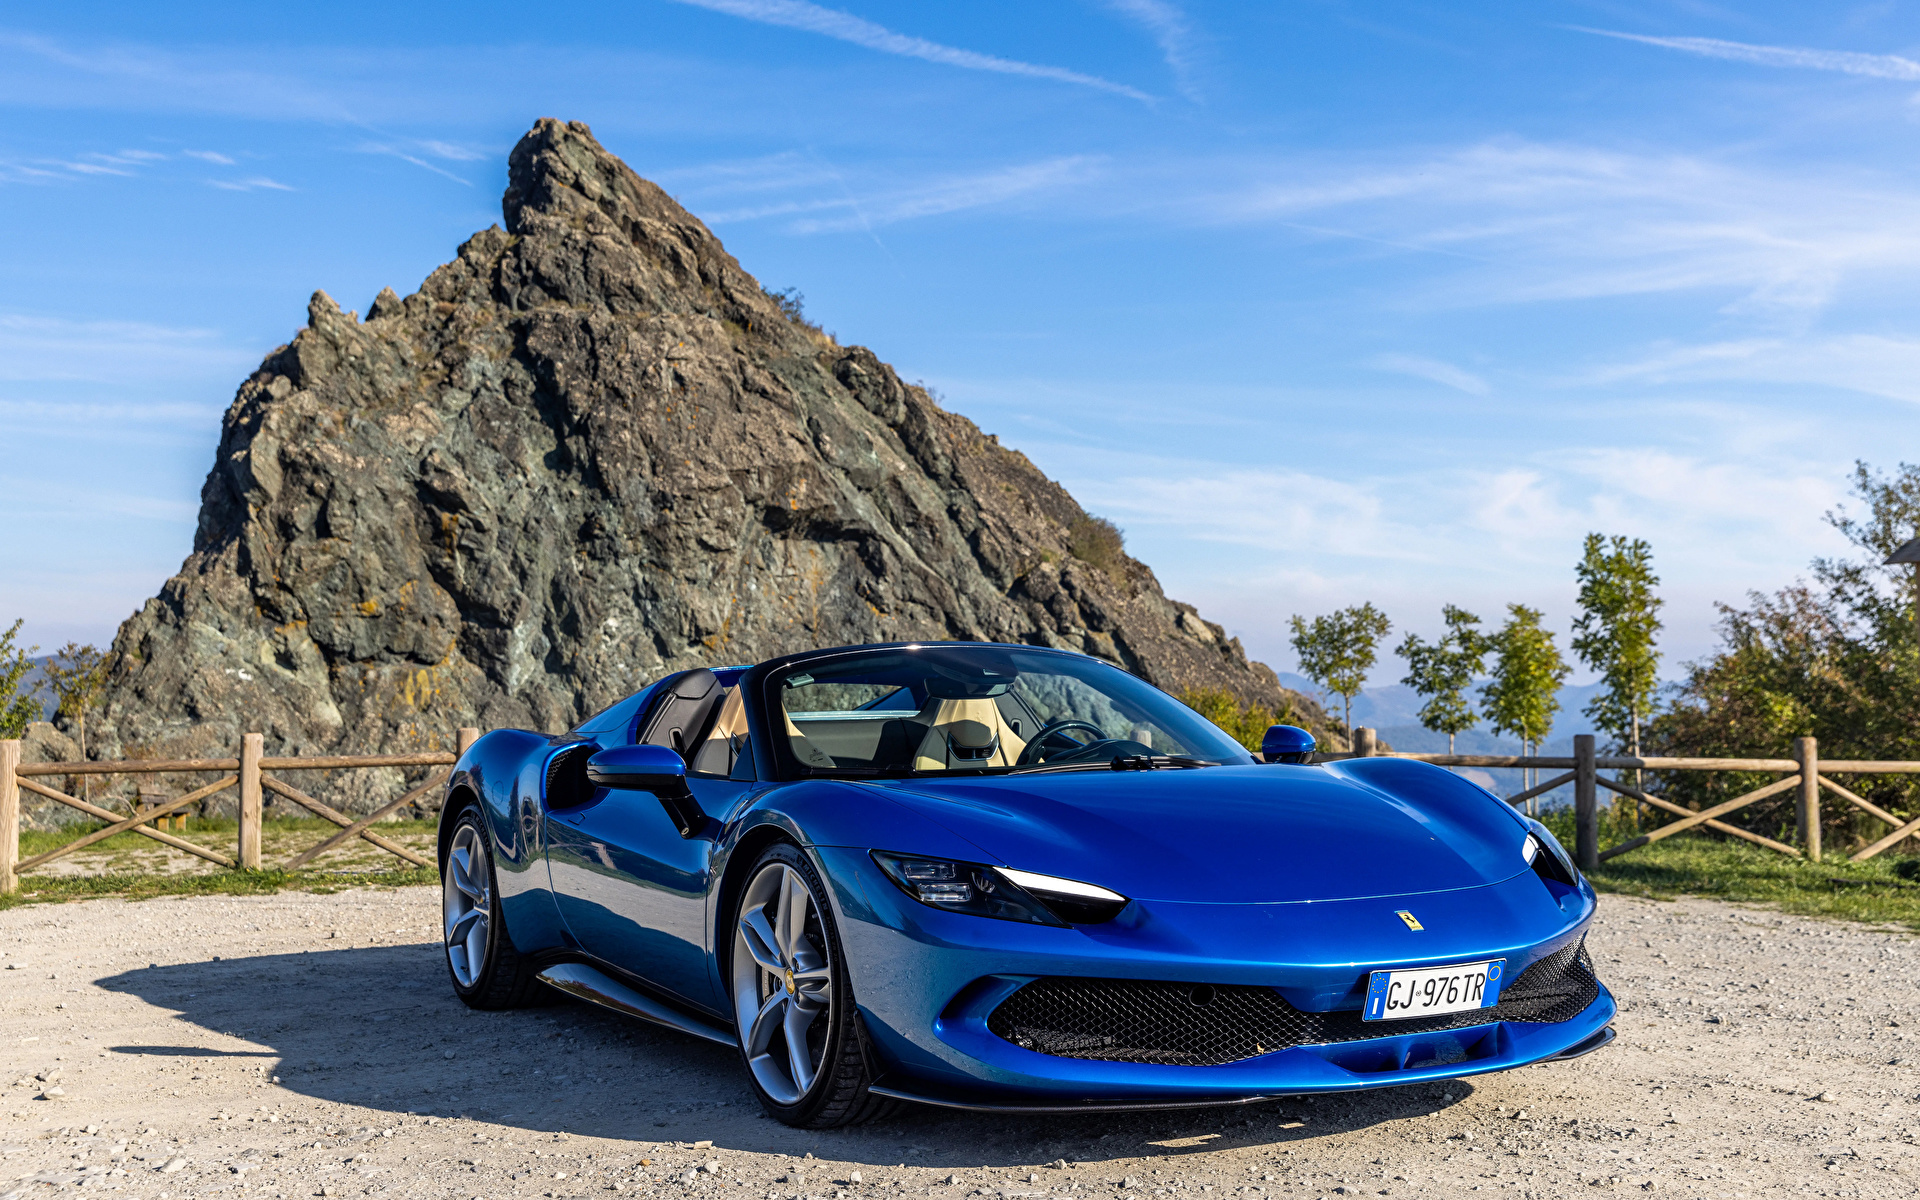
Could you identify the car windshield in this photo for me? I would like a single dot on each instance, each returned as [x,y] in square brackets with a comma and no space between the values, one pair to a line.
[943,708]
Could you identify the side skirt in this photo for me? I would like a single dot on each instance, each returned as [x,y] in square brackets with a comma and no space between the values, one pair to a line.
[578,979]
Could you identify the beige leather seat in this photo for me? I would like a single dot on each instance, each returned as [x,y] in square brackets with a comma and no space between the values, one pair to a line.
[803,749]
[968,733]
[716,753]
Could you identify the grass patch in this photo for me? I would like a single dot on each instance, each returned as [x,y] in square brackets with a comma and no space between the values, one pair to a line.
[1877,891]
[139,886]
[109,873]
[216,833]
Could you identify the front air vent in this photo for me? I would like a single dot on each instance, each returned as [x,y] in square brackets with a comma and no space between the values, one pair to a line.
[567,782]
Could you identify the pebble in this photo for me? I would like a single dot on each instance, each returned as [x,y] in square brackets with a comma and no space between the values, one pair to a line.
[1129,1182]
[1827,1098]
[174,1166]
[854,1177]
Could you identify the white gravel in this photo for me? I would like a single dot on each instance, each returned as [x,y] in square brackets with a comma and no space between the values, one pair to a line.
[299,1045]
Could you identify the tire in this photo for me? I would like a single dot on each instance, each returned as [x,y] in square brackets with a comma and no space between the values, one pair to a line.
[791,988]
[487,972]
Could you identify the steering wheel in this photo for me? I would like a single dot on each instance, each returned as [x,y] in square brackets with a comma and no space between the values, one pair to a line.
[1052,738]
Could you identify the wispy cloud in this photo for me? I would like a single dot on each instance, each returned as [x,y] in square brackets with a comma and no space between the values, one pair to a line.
[1871,364]
[212,156]
[1562,222]
[453,153]
[404,154]
[111,75]
[40,349]
[848,208]
[1874,66]
[1421,367]
[254,184]
[1172,30]
[845,27]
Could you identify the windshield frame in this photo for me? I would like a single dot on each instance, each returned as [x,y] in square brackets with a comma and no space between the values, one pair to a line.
[766,709]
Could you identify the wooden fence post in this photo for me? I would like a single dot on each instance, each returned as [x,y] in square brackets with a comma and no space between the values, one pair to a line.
[252,750]
[1807,751]
[1586,804]
[1363,742]
[9,814]
[468,736]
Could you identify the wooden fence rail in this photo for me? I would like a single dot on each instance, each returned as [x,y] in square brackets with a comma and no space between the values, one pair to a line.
[247,773]
[1804,774]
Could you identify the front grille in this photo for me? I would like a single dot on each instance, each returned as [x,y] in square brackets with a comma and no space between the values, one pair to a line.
[1188,1024]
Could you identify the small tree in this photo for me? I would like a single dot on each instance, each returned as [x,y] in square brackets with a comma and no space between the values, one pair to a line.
[77,675]
[17,711]
[1441,672]
[1527,671]
[1613,635]
[1337,651]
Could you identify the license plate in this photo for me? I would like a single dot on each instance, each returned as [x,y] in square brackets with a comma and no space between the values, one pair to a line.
[1431,991]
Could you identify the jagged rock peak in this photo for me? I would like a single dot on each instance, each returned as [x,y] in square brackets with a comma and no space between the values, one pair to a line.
[589,450]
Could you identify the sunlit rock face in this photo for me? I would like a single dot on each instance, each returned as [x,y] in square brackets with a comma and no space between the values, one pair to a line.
[588,451]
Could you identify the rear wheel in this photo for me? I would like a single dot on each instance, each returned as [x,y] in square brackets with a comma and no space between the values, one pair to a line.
[487,971]
[792,1001]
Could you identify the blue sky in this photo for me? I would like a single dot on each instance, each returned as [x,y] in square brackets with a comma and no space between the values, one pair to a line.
[1321,302]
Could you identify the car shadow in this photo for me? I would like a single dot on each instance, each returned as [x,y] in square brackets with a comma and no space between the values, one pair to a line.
[380,1028]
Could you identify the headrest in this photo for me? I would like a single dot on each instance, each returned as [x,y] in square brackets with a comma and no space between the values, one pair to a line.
[971,735]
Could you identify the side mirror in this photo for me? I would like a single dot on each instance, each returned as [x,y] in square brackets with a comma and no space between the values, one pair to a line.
[655,769]
[1283,744]
[639,768]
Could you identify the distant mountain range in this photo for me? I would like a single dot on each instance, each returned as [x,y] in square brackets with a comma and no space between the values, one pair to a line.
[1393,711]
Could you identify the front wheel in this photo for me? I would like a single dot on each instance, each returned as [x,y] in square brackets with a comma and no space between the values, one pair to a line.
[792,1001]
[488,973]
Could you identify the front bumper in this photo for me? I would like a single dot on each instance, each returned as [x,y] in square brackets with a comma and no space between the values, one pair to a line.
[927,980]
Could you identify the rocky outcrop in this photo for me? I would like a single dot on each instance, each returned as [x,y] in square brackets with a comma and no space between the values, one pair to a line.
[590,450]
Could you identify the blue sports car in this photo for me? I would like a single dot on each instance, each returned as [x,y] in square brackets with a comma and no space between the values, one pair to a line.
[1009,878]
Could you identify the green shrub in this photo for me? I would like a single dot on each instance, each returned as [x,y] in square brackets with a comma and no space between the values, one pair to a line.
[1097,542]
[1245,723]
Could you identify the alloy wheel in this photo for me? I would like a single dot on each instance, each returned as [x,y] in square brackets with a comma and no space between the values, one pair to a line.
[466,904]
[782,982]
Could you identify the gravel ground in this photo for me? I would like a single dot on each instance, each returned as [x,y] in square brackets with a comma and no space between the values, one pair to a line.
[320,1052]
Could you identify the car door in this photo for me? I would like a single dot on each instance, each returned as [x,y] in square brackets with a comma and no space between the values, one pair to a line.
[630,887]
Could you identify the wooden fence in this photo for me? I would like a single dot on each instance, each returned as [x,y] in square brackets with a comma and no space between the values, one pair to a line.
[248,773]
[1804,774]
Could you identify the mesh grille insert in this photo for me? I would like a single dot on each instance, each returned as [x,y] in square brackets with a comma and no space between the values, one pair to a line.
[1188,1024]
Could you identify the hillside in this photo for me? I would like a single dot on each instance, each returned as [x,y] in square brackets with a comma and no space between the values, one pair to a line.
[588,451]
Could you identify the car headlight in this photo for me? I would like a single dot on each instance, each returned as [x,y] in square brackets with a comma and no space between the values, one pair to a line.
[1549,860]
[1000,892]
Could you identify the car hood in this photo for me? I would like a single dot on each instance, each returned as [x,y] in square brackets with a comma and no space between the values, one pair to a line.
[1235,835]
